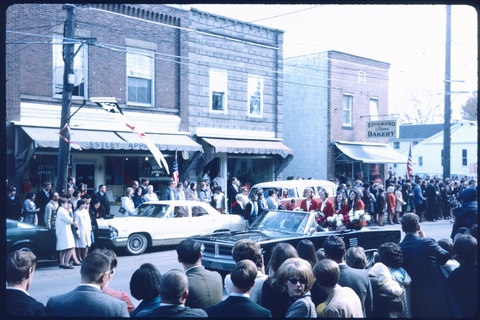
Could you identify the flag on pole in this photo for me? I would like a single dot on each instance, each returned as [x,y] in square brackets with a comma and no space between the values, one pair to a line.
[409,164]
[175,169]
[110,105]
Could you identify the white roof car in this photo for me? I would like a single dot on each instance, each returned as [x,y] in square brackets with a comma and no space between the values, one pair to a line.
[161,223]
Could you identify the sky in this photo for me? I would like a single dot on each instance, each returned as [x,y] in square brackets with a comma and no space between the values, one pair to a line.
[409,37]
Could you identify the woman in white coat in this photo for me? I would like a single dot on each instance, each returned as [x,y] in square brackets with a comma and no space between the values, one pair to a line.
[83,238]
[127,202]
[63,231]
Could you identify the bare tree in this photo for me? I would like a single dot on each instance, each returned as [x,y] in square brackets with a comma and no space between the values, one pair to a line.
[421,109]
[470,108]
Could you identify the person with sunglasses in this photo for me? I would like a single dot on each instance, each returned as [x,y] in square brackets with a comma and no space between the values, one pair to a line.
[297,276]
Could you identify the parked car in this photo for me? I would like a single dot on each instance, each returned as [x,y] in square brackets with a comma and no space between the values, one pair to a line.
[25,236]
[294,189]
[276,226]
[163,223]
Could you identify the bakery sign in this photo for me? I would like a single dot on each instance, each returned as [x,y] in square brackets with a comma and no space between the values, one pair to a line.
[382,129]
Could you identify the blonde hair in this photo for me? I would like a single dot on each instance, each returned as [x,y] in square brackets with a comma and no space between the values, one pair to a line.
[293,267]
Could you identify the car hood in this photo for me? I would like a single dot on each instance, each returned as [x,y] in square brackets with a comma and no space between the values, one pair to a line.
[234,236]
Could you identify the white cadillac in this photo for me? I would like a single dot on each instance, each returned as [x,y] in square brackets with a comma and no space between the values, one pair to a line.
[163,223]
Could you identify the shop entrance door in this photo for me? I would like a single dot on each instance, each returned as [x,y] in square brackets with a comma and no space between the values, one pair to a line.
[85,173]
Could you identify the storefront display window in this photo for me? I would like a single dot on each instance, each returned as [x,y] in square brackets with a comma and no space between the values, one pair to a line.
[40,168]
[250,170]
[123,170]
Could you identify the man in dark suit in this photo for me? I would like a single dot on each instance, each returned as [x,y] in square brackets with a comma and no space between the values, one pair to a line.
[144,185]
[173,292]
[205,287]
[238,304]
[101,195]
[356,279]
[232,191]
[41,199]
[171,192]
[431,295]
[19,271]
[431,195]
[87,299]
[251,209]
[14,205]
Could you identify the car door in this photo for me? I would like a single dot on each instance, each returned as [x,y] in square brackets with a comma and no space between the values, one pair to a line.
[204,221]
[174,225]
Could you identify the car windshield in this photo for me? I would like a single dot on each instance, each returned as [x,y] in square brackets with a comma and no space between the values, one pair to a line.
[291,221]
[152,210]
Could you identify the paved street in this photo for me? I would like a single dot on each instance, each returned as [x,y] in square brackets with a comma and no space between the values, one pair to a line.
[49,280]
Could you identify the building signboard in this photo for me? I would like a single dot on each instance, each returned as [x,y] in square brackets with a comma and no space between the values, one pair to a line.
[382,129]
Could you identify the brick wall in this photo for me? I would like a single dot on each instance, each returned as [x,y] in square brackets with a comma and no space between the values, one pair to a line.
[252,52]
[29,66]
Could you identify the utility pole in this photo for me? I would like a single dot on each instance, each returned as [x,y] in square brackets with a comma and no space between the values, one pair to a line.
[68,84]
[446,124]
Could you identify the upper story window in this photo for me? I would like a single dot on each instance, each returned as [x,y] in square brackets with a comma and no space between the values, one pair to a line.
[218,90]
[140,76]
[255,96]
[373,108]
[420,161]
[79,68]
[347,110]
[464,157]
[362,77]
[396,145]
[414,143]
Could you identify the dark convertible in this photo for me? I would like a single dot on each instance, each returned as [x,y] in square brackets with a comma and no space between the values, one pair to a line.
[277,226]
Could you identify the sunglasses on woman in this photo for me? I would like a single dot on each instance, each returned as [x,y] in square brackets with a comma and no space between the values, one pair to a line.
[295,280]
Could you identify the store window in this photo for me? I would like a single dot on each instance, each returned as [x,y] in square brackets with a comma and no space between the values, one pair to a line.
[40,168]
[122,170]
[250,170]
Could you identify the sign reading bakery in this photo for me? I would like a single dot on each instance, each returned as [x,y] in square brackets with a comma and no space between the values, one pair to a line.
[382,129]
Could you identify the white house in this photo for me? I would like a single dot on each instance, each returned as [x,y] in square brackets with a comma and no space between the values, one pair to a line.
[427,152]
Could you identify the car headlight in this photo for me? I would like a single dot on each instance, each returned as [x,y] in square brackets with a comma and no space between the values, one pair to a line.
[113,232]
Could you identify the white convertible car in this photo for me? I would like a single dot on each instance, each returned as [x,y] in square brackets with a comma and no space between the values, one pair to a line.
[163,223]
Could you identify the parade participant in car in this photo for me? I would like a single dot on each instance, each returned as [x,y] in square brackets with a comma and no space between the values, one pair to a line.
[309,203]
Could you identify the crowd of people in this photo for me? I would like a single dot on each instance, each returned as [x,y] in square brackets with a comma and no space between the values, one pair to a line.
[418,277]
[407,280]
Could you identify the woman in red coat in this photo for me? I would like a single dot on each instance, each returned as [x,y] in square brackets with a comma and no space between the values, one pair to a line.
[309,203]
[340,206]
[391,203]
[327,206]
[355,200]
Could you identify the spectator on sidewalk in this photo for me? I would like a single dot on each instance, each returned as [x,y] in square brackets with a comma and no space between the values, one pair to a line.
[19,275]
[205,287]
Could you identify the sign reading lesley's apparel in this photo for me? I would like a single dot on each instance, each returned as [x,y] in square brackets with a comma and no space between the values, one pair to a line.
[382,129]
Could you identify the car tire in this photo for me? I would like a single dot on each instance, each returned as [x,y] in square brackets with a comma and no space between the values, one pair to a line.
[136,244]
[22,247]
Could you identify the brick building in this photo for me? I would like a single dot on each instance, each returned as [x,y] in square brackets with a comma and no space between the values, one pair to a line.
[328,99]
[184,81]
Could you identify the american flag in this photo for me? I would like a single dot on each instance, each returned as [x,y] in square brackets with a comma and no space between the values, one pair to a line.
[175,169]
[410,164]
